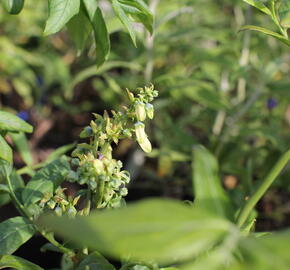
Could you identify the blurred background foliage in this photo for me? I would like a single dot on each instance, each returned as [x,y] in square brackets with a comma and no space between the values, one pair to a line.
[226,90]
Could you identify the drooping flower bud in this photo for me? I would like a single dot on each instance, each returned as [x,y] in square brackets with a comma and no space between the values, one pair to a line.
[140,111]
[150,110]
[142,137]
[130,95]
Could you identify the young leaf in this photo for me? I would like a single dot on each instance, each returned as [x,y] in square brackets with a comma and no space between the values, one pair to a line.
[10,122]
[161,230]
[79,34]
[45,181]
[208,191]
[14,232]
[259,5]
[95,261]
[267,32]
[101,34]
[60,12]
[118,8]
[17,263]
[22,146]
[5,151]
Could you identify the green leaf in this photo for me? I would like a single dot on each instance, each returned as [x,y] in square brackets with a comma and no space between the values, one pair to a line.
[267,32]
[95,261]
[60,12]
[101,34]
[22,146]
[45,181]
[208,191]
[11,122]
[284,13]
[259,5]
[139,11]
[79,34]
[124,19]
[13,6]
[5,151]
[161,230]
[17,263]
[271,252]
[14,232]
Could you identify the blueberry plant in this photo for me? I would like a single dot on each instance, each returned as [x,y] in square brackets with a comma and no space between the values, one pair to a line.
[208,233]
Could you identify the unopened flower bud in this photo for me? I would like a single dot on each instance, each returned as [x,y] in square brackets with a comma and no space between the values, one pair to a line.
[130,95]
[142,137]
[140,111]
[150,110]
[71,212]
[99,166]
[58,211]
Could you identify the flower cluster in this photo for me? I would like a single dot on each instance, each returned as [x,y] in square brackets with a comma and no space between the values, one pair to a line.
[92,162]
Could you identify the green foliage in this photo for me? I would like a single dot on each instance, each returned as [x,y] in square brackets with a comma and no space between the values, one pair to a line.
[208,191]
[14,232]
[17,263]
[225,90]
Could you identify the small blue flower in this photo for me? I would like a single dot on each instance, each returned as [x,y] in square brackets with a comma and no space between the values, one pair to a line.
[23,115]
[271,103]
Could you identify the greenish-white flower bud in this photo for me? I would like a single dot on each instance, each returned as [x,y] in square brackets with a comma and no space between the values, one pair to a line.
[150,110]
[71,212]
[58,211]
[142,137]
[140,111]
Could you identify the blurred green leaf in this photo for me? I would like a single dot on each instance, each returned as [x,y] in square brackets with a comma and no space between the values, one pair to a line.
[17,263]
[79,34]
[161,230]
[284,12]
[267,32]
[139,11]
[5,151]
[11,122]
[120,12]
[13,233]
[208,191]
[259,5]
[101,34]
[60,12]
[22,146]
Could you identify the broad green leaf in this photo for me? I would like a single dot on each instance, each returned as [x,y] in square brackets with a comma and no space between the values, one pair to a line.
[79,34]
[259,5]
[60,12]
[14,232]
[271,252]
[161,230]
[124,19]
[5,151]
[45,181]
[11,122]
[101,34]
[267,32]
[139,11]
[95,261]
[22,146]
[208,191]
[17,263]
